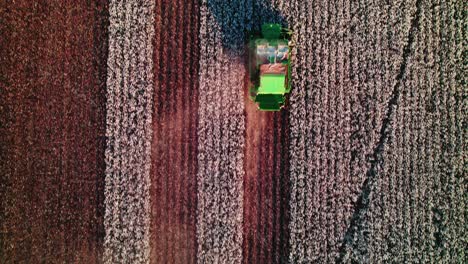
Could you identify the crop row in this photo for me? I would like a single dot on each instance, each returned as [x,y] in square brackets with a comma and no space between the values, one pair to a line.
[129,132]
[220,135]
[366,119]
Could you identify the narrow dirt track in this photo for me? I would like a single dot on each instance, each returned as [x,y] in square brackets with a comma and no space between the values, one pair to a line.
[52,131]
[266,187]
[266,165]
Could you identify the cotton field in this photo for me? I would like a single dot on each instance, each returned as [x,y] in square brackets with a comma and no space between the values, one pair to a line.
[127,134]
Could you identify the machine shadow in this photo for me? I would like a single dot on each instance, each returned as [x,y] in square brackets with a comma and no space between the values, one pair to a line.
[237,20]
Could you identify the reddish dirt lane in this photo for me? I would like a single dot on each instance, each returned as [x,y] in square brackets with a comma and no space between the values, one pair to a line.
[52,127]
[174,146]
[266,186]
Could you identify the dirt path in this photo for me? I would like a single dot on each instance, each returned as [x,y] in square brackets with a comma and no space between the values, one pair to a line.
[52,116]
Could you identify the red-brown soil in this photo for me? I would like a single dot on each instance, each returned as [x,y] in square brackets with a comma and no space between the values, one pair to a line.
[274,68]
[266,185]
[174,146]
[52,127]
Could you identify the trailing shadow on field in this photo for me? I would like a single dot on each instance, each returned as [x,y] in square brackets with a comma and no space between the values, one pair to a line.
[237,20]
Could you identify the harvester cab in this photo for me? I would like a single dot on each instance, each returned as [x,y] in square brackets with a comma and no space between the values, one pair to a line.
[270,67]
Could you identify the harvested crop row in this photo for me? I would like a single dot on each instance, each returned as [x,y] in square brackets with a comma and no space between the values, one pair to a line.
[366,163]
[174,144]
[266,179]
[220,134]
[266,187]
[129,132]
[52,127]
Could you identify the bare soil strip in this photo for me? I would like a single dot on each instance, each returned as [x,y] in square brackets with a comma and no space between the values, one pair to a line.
[174,143]
[129,132]
[52,131]
[266,187]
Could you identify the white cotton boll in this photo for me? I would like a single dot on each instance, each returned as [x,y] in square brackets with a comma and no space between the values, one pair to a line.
[126,141]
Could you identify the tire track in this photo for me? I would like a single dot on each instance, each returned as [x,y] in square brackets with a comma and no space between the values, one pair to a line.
[297,194]
[378,244]
[376,95]
[418,234]
[362,203]
[130,89]
[172,82]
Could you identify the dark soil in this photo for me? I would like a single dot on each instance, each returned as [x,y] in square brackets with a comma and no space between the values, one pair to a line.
[174,146]
[52,127]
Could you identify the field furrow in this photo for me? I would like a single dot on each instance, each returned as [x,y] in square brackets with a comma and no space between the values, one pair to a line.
[174,143]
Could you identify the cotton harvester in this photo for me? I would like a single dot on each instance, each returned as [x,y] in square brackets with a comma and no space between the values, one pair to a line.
[270,67]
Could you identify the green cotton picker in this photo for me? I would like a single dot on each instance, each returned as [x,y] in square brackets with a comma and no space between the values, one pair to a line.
[270,67]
